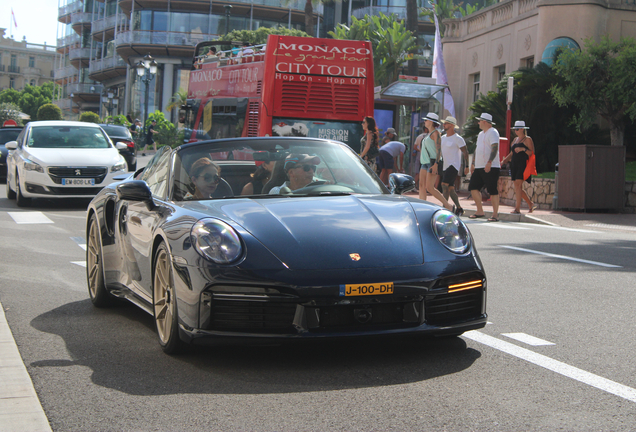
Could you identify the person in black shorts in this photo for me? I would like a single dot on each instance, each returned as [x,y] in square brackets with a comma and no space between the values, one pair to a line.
[521,149]
[485,167]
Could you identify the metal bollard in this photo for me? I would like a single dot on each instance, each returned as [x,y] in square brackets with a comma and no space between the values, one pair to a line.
[555,197]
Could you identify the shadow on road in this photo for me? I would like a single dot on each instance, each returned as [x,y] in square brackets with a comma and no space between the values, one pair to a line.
[120,346]
[39,204]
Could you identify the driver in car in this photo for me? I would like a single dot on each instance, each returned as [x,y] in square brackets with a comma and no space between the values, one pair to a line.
[300,169]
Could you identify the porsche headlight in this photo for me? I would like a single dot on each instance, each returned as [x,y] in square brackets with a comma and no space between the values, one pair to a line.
[451,232]
[29,165]
[217,241]
[119,166]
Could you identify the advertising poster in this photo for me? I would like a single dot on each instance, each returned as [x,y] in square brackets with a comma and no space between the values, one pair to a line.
[348,133]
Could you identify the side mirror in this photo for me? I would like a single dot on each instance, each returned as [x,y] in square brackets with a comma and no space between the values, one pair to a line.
[136,190]
[401,183]
[11,145]
[121,146]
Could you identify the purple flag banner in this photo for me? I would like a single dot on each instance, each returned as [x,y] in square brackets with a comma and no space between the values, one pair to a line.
[439,70]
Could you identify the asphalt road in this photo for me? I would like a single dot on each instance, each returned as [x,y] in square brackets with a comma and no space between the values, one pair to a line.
[557,354]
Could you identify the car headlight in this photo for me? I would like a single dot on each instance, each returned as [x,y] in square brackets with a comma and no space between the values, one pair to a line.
[217,241]
[451,232]
[29,165]
[119,166]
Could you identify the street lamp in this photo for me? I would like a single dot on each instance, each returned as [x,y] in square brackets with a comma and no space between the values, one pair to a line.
[426,52]
[148,63]
[228,9]
[110,101]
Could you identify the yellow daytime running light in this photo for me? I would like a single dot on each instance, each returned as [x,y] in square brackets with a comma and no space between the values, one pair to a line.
[465,286]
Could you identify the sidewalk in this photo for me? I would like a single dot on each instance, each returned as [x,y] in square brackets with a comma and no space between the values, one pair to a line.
[619,221]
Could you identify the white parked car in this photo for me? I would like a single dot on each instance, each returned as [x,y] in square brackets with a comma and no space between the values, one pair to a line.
[61,159]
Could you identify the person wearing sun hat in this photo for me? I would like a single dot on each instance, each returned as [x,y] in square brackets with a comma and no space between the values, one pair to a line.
[429,158]
[300,170]
[453,146]
[521,149]
[485,167]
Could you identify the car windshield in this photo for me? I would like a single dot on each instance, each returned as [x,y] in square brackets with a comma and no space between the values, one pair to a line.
[7,135]
[67,137]
[116,131]
[270,167]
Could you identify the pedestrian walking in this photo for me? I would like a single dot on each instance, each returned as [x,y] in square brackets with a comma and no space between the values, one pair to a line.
[485,167]
[520,151]
[453,147]
[430,155]
[369,144]
[150,138]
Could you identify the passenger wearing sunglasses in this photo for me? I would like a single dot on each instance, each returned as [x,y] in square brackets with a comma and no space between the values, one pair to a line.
[205,176]
[300,170]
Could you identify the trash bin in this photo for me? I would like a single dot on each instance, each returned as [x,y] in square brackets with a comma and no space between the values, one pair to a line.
[591,177]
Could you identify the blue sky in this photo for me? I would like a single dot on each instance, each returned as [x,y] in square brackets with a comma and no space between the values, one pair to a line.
[37,20]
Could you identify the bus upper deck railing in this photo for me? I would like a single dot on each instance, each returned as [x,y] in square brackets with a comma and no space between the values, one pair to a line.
[232,57]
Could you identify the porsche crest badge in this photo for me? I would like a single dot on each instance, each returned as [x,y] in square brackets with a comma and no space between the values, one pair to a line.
[355,256]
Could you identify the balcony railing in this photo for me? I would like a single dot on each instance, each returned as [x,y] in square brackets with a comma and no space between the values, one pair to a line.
[1,68]
[32,71]
[71,39]
[106,63]
[81,18]
[107,23]
[162,38]
[66,72]
[70,8]
[13,69]
[496,15]
[79,53]
[83,88]
[400,11]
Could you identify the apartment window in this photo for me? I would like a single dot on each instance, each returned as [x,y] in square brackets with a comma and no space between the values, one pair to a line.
[33,82]
[11,82]
[14,60]
[498,73]
[528,62]
[476,79]
[31,62]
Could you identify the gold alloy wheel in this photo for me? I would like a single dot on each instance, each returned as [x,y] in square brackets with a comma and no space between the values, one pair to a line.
[163,297]
[93,259]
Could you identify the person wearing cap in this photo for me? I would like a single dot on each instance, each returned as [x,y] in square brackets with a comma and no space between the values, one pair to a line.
[150,137]
[389,152]
[453,146]
[429,158]
[485,167]
[300,169]
[391,134]
[522,148]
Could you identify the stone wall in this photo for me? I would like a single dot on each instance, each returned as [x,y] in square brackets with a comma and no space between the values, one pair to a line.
[541,192]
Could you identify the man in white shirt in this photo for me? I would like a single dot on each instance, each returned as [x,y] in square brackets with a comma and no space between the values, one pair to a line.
[453,146]
[389,152]
[485,167]
[300,170]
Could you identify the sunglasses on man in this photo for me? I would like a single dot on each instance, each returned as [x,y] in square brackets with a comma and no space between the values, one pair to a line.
[306,167]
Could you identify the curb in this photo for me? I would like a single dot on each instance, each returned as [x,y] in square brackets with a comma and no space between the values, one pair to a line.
[525,218]
[20,408]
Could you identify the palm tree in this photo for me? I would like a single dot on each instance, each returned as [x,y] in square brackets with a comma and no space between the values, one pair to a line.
[178,99]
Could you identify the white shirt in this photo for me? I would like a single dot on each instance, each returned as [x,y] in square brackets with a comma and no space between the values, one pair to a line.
[394,148]
[451,151]
[482,152]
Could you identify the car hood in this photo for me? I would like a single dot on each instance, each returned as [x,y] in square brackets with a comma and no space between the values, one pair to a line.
[74,156]
[357,231]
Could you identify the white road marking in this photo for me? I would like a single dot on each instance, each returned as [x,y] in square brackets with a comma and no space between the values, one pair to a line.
[527,339]
[80,242]
[561,257]
[564,369]
[79,263]
[34,217]
[609,226]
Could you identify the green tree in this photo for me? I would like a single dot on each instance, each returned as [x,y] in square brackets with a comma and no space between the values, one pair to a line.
[411,25]
[259,36]
[534,104]
[392,44]
[166,132]
[9,111]
[178,99]
[49,111]
[89,117]
[599,81]
[119,120]
[31,98]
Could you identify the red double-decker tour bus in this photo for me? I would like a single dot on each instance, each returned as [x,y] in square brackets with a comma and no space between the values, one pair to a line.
[292,86]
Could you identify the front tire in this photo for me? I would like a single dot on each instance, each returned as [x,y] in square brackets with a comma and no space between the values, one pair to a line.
[100,297]
[165,303]
[20,199]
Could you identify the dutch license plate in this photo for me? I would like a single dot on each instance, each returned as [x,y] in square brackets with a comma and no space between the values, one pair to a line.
[366,289]
[78,182]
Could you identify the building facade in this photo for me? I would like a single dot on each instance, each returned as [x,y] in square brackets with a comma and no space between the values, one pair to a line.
[23,63]
[481,48]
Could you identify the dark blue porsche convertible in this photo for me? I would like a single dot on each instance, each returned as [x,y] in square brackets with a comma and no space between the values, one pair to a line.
[279,239]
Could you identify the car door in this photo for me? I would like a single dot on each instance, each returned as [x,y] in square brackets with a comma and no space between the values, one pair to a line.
[12,159]
[139,224]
